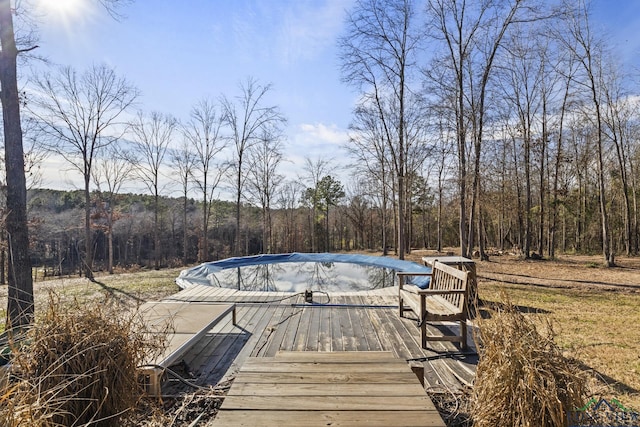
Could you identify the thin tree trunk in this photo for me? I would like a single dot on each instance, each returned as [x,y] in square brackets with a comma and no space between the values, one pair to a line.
[558,162]
[184,230]
[88,243]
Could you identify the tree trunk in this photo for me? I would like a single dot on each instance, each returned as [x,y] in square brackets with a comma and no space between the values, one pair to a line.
[184,230]
[20,304]
[558,162]
[543,153]
[156,232]
[88,247]
[110,244]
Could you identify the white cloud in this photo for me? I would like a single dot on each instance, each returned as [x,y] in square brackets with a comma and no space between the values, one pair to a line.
[319,133]
[316,141]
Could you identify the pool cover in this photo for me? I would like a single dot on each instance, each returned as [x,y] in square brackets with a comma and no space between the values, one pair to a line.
[201,274]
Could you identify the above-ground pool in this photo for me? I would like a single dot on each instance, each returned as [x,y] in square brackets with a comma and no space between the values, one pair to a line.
[297,272]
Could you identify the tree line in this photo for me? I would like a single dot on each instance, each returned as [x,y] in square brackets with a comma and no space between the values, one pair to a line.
[489,124]
[518,112]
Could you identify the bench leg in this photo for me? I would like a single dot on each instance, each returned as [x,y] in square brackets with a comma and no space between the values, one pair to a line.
[233,316]
[152,380]
[421,317]
[463,334]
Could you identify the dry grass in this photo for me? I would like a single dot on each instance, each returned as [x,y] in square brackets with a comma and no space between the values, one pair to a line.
[523,378]
[129,289]
[77,366]
[591,315]
[188,410]
[597,327]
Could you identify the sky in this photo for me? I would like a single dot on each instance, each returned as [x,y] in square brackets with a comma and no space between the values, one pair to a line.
[179,52]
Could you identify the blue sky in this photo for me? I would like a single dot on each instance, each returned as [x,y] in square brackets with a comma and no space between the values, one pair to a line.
[178,52]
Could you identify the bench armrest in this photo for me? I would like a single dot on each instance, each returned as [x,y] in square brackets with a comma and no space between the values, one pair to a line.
[402,274]
[417,273]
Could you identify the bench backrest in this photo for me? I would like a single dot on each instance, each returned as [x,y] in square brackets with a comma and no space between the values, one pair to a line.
[447,278]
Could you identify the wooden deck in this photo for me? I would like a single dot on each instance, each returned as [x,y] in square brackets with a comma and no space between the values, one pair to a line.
[327,388]
[270,322]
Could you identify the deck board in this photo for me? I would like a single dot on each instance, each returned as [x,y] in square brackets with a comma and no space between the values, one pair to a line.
[325,418]
[268,323]
[313,389]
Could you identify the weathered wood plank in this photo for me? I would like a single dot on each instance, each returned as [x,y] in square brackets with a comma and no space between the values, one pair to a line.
[336,330]
[335,357]
[302,333]
[348,338]
[328,403]
[360,339]
[410,389]
[373,343]
[324,331]
[314,329]
[185,322]
[275,367]
[223,360]
[280,327]
[379,418]
[327,377]
[292,329]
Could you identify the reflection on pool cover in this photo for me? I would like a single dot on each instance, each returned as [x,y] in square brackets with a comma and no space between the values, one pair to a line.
[299,276]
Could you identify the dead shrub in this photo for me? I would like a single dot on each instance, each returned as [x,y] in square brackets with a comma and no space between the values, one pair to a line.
[77,366]
[522,378]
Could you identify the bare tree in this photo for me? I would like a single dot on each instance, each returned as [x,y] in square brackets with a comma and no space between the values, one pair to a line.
[471,33]
[377,56]
[314,172]
[152,135]
[79,115]
[618,113]
[183,161]
[247,119]
[589,52]
[112,170]
[568,67]
[443,149]
[288,202]
[203,133]
[264,180]
[370,150]
[521,80]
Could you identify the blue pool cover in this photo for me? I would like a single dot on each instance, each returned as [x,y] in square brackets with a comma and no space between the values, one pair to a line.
[200,274]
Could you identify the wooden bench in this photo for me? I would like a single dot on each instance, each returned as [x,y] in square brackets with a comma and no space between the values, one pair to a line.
[444,300]
[184,323]
[461,263]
